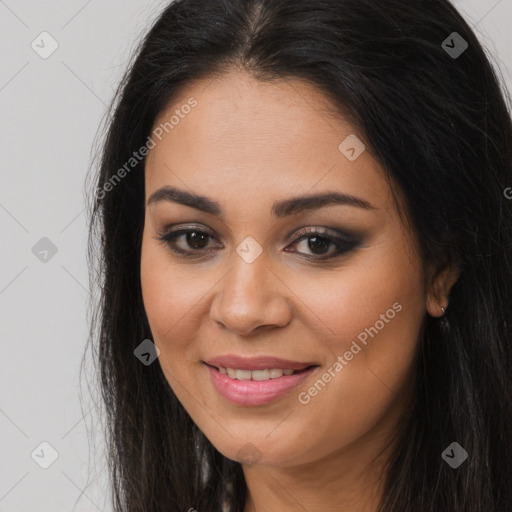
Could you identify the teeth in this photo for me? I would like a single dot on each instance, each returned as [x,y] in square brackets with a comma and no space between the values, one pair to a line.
[243,374]
[273,373]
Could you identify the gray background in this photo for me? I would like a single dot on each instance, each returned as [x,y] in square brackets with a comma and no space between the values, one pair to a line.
[50,112]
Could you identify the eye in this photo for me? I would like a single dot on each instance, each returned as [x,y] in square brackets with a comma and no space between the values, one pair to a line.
[195,239]
[318,241]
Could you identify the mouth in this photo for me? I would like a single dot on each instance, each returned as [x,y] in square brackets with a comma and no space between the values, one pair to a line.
[259,375]
[260,386]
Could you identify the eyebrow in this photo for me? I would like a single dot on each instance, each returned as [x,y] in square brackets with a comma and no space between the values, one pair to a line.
[284,208]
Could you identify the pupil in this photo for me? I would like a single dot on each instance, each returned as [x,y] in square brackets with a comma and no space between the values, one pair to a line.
[196,240]
[323,243]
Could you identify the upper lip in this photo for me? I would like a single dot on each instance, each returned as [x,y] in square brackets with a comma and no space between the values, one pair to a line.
[257,363]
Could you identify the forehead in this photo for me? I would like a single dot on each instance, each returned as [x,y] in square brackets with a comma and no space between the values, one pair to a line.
[249,140]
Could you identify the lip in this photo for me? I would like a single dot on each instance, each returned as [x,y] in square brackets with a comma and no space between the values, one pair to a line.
[254,392]
[257,363]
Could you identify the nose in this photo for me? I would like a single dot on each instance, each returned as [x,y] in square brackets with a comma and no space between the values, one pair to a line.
[251,297]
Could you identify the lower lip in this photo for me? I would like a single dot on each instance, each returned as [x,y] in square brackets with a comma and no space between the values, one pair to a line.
[256,392]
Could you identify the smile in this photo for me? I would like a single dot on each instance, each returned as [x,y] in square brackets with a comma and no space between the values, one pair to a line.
[256,387]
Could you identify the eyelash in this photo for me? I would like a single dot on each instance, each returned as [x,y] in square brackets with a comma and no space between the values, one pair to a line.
[343,245]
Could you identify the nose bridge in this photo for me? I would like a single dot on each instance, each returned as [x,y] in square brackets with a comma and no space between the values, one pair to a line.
[250,295]
[245,291]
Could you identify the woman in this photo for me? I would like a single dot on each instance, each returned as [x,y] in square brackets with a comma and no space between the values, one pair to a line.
[305,262]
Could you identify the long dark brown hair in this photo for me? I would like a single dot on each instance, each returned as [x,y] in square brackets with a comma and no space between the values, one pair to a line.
[439,123]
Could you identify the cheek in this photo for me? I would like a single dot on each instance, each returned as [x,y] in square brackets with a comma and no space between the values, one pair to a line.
[374,315]
[174,301]
[169,301]
[369,314]
[169,298]
[378,294]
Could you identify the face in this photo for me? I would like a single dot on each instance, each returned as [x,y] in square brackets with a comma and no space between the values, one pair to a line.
[333,284]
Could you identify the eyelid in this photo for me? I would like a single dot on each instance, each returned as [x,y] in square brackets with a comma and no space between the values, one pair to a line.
[329,232]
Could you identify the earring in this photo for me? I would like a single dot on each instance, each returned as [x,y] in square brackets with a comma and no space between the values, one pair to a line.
[444,324]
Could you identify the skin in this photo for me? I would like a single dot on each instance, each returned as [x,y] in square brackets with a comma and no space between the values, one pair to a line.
[246,145]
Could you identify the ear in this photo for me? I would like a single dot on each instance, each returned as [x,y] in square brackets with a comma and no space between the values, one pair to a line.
[440,284]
